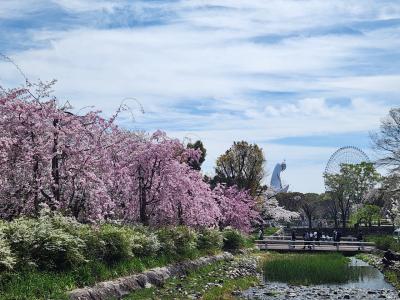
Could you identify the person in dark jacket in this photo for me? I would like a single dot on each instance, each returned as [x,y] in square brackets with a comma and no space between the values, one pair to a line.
[306,237]
[293,238]
[335,234]
[261,231]
[319,236]
[359,239]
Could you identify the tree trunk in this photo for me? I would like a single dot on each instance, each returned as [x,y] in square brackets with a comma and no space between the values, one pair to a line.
[344,219]
[142,201]
[143,208]
[55,172]
[336,222]
[35,178]
[180,214]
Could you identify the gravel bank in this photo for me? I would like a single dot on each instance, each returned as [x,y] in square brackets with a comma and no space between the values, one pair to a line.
[271,291]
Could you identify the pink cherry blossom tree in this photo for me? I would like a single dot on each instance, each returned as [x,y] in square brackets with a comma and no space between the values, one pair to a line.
[238,207]
[87,167]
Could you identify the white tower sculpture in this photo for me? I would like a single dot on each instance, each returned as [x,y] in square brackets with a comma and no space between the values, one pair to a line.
[276,182]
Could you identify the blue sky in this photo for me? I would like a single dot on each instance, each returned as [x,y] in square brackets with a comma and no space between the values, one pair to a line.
[300,78]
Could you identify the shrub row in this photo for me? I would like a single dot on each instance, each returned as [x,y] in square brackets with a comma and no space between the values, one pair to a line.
[384,242]
[54,242]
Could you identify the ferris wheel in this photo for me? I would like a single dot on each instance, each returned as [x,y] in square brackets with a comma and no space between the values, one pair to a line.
[345,155]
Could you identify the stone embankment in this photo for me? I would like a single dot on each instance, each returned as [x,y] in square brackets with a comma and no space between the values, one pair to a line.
[120,287]
[277,292]
[375,259]
[218,276]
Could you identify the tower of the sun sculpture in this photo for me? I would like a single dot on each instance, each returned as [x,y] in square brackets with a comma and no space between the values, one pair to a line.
[276,182]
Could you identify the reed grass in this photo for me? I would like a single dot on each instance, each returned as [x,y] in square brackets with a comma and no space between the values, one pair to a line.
[307,269]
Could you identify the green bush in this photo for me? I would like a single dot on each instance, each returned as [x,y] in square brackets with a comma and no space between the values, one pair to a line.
[114,243]
[178,241]
[384,242]
[210,240]
[233,240]
[67,224]
[37,242]
[144,242]
[94,246]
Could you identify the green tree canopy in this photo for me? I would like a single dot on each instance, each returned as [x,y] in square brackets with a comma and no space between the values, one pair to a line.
[290,200]
[367,214]
[350,186]
[198,145]
[241,165]
[309,206]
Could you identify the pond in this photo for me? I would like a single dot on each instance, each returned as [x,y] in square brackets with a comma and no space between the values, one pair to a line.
[320,276]
[365,276]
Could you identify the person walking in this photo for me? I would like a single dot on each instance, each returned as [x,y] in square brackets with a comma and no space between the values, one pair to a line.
[293,238]
[319,235]
[334,237]
[261,231]
[359,239]
[306,237]
[338,236]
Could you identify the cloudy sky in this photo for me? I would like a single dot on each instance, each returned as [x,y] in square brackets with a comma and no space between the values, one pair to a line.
[300,78]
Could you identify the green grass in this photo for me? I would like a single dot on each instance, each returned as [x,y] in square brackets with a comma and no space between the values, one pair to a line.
[141,294]
[270,230]
[230,285]
[307,269]
[35,284]
[393,277]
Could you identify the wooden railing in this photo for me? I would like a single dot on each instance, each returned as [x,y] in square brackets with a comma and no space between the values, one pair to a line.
[278,244]
[288,237]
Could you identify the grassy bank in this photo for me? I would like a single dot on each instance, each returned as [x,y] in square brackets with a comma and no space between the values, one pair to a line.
[215,281]
[45,257]
[34,284]
[306,269]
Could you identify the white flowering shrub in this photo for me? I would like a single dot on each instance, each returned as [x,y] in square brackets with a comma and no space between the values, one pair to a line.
[144,244]
[7,259]
[38,242]
[115,242]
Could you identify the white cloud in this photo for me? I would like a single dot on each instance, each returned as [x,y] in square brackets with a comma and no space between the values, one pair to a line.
[86,5]
[205,53]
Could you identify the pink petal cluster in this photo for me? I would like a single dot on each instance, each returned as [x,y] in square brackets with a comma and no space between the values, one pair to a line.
[87,167]
[238,208]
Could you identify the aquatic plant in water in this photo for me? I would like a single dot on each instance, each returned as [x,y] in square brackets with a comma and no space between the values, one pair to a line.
[307,269]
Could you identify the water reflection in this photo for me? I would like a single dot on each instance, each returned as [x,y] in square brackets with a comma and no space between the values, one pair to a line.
[362,275]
